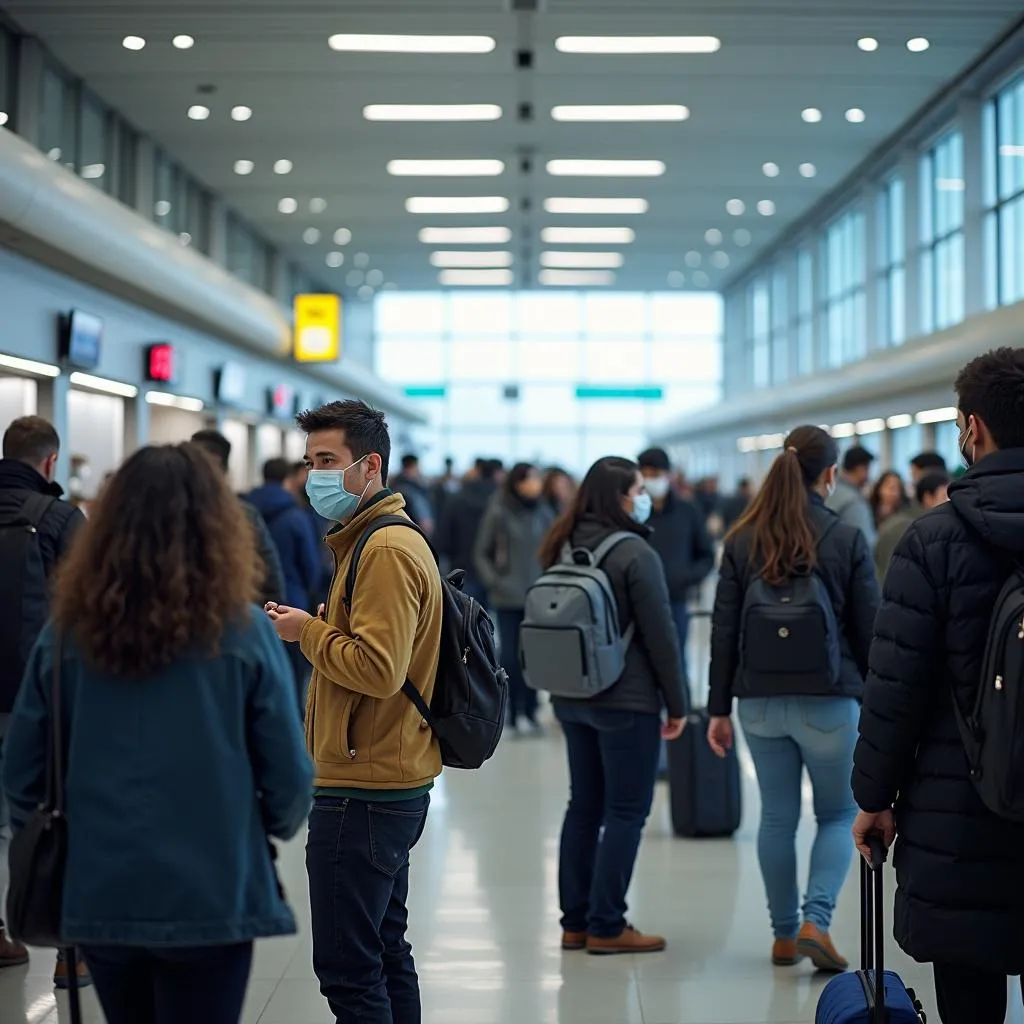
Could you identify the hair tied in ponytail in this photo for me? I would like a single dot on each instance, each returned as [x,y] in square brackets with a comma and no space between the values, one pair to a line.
[792,451]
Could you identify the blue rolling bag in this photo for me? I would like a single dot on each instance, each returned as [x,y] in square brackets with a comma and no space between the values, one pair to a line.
[853,998]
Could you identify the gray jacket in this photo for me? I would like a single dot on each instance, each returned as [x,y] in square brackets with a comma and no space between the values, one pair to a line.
[852,508]
[506,553]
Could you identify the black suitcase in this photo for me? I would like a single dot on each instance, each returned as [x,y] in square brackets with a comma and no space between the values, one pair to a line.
[704,789]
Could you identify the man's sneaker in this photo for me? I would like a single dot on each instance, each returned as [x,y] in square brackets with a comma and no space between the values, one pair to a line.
[629,941]
[573,941]
[816,945]
[785,953]
[60,973]
[12,954]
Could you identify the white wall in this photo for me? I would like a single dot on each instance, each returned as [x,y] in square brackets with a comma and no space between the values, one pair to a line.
[240,469]
[171,426]
[18,397]
[95,431]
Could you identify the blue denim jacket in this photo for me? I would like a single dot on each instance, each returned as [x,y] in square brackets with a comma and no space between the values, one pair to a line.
[174,782]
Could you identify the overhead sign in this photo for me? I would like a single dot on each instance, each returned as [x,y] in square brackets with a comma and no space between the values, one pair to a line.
[649,394]
[317,328]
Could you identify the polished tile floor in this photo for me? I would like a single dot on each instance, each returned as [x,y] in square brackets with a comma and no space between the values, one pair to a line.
[485,923]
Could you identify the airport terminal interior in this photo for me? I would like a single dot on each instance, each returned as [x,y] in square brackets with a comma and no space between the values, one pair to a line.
[533,231]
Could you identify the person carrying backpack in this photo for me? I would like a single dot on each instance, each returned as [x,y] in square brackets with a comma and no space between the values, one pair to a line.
[613,726]
[36,530]
[943,697]
[791,631]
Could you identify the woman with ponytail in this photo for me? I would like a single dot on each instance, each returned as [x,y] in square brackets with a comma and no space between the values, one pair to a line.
[792,628]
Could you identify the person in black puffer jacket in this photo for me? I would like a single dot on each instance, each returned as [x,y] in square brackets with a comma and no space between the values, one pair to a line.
[959,867]
[613,739]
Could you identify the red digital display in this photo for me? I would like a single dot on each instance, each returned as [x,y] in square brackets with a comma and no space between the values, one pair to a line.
[282,399]
[160,363]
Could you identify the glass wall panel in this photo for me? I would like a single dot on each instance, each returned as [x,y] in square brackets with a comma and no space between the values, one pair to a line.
[892,256]
[58,117]
[1004,195]
[95,158]
[844,275]
[8,78]
[248,256]
[942,226]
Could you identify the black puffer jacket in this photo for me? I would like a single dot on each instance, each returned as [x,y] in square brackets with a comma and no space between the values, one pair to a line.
[960,868]
[845,567]
[653,678]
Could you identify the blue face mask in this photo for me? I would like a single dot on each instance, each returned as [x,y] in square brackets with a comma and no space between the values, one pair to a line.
[327,494]
[642,504]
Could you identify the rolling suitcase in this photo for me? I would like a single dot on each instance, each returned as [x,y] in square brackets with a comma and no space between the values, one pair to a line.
[854,998]
[704,789]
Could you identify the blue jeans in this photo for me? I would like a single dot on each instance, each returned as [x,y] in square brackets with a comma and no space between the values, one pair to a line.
[522,700]
[613,760]
[357,858]
[784,735]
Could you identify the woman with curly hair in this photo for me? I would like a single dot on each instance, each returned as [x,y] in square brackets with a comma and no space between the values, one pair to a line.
[184,752]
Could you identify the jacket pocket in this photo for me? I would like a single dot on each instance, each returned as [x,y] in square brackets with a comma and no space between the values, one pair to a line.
[329,730]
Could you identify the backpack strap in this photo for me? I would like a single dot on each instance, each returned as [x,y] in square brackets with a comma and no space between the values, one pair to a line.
[34,509]
[597,556]
[380,523]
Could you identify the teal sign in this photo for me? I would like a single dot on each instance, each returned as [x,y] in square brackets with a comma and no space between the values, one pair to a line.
[647,394]
[426,392]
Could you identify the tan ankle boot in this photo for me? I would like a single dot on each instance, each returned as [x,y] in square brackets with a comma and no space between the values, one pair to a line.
[785,953]
[815,944]
[629,941]
[572,941]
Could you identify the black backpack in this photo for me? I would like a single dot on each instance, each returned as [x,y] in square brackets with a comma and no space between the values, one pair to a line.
[991,730]
[467,709]
[789,637]
[24,592]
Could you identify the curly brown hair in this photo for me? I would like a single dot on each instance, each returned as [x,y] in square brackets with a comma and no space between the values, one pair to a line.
[166,561]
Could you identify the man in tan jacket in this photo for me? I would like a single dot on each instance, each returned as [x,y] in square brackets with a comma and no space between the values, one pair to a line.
[375,758]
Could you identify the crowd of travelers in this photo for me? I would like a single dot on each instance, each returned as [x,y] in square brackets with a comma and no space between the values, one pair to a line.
[851,637]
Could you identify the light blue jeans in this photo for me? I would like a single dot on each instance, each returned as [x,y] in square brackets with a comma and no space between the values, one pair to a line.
[784,735]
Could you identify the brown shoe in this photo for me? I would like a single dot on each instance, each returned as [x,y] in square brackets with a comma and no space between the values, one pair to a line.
[12,954]
[785,953]
[815,944]
[60,973]
[629,941]
[574,941]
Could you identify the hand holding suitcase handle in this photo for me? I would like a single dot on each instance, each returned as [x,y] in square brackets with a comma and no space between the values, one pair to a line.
[872,928]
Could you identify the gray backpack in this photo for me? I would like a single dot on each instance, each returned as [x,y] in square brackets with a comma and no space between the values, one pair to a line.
[570,643]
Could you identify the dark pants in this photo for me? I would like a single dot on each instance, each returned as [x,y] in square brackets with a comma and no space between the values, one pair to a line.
[357,857]
[967,995]
[522,700]
[613,759]
[200,984]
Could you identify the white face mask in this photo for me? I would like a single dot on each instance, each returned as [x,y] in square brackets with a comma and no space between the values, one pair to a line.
[657,487]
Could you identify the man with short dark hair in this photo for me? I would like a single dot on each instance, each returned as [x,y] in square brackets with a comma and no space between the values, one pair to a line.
[375,758]
[929,491]
[29,499]
[848,500]
[959,902]
[409,484]
[926,463]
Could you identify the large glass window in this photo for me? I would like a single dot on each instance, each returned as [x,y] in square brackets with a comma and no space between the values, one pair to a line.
[892,262]
[1004,194]
[780,324]
[8,57]
[759,332]
[248,256]
[843,277]
[804,324]
[942,233]
[96,150]
[58,117]
[182,206]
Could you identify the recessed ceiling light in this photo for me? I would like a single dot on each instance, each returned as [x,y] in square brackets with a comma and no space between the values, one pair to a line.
[183,42]
[3,117]
[365,292]
[676,278]
[342,236]
[161,207]
[184,237]
[570,205]
[361,259]
[283,166]
[55,154]
[720,259]
[432,112]
[918,44]
[741,236]
[445,168]
[812,115]
[465,236]
[475,278]
[808,170]
[133,43]
[607,168]
[637,44]
[868,44]
[713,236]
[317,204]
[374,278]
[364,43]
[197,112]
[244,167]
[735,207]
[855,115]
[587,236]
[576,278]
[766,207]
[700,279]
[580,260]
[287,205]
[354,278]
[241,113]
[93,171]
[950,184]
[622,112]
[692,258]
[456,204]
[771,170]
[470,258]
[334,259]
[311,236]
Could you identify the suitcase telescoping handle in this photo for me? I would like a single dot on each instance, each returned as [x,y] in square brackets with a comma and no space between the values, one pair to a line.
[872,928]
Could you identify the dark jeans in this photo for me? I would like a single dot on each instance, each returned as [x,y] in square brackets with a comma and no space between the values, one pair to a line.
[967,995]
[613,760]
[522,700]
[200,984]
[357,857]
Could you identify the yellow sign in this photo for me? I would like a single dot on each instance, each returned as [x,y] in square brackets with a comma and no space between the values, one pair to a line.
[317,328]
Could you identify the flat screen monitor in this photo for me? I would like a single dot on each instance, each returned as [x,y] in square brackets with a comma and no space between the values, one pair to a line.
[231,384]
[81,339]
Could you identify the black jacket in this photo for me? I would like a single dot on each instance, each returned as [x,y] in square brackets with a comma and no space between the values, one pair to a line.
[272,586]
[653,678]
[680,536]
[960,868]
[456,533]
[845,567]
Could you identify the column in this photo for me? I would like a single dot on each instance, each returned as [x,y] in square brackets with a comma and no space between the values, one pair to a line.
[912,238]
[136,423]
[53,406]
[970,115]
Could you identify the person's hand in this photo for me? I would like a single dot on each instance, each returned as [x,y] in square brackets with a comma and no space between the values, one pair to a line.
[881,824]
[673,728]
[287,621]
[720,736]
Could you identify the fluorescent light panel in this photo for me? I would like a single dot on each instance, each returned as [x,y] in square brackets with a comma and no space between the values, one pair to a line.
[30,366]
[445,168]
[589,260]
[576,278]
[943,415]
[110,387]
[637,44]
[606,168]
[165,398]
[465,236]
[587,236]
[456,204]
[375,43]
[844,430]
[871,426]
[622,112]
[432,112]
[471,258]
[899,421]
[475,278]
[597,207]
